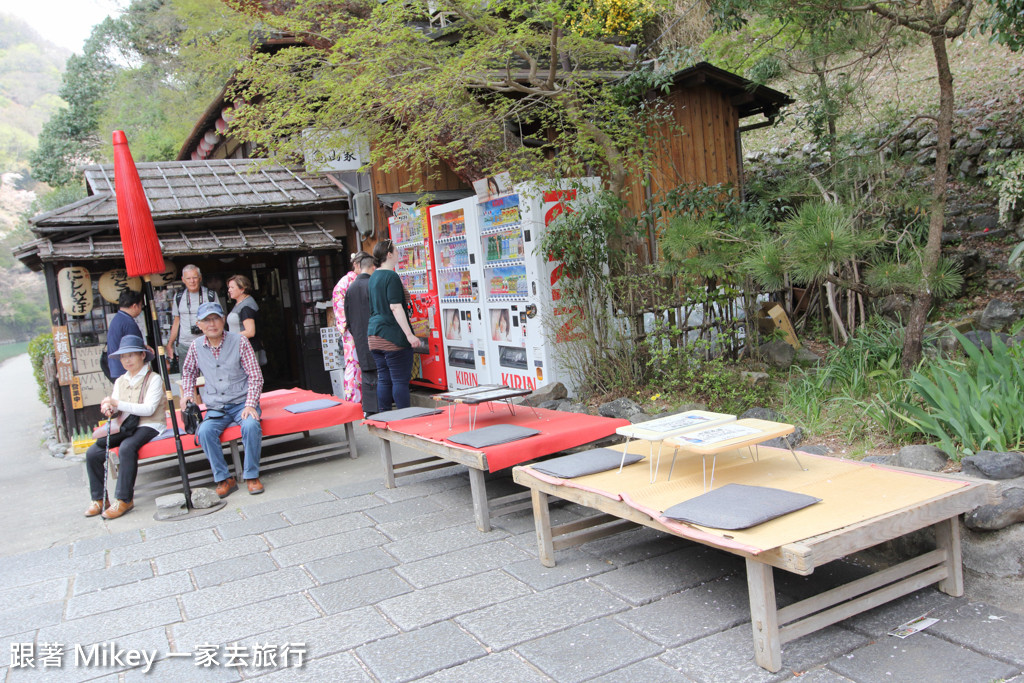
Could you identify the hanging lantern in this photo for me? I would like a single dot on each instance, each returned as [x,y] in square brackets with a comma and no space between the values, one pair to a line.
[142,255]
[75,287]
[113,282]
[211,138]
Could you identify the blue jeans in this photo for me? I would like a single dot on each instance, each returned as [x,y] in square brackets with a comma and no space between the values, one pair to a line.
[394,370]
[208,435]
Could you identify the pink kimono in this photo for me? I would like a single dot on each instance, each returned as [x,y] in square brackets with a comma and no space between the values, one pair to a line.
[353,375]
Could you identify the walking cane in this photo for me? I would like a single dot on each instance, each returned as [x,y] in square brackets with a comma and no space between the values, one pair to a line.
[106,459]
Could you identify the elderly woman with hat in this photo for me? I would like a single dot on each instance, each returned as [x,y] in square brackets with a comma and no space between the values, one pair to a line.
[140,392]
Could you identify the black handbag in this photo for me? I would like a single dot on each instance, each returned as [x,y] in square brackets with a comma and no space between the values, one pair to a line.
[191,416]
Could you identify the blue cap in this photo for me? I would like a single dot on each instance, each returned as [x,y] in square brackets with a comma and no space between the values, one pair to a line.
[208,308]
[131,343]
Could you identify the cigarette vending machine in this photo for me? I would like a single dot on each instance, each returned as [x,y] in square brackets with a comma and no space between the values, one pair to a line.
[410,231]
[457,265]
[521,309]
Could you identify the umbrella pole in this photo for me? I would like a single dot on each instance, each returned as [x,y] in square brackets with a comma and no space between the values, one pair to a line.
[162,361]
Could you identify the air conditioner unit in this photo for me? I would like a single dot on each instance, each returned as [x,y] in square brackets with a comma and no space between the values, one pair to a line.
[362,213]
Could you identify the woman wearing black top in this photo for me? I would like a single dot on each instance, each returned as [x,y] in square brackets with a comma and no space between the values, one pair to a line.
[389,333]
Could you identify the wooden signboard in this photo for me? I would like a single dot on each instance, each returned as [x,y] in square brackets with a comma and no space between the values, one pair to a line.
[113,282]
[774,318]
[75,286]
[62,355]
[76,394]
[94,388]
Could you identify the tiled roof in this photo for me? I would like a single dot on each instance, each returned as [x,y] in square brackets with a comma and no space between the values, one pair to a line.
[181,189]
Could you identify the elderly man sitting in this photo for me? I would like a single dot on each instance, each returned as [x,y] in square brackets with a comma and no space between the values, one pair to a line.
[232,395]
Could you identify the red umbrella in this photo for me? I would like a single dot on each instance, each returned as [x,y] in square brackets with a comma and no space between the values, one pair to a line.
[143,258]
[142,254]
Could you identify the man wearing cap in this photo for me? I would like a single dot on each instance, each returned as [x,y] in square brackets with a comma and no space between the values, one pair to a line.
[138,391]
[232,395]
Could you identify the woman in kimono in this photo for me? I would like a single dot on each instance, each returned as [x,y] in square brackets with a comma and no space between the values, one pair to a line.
[353,375]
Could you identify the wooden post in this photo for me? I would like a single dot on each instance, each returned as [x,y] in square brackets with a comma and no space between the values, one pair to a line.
[947,537]
[389,464]
[542,522]
[764,617]
[478,490]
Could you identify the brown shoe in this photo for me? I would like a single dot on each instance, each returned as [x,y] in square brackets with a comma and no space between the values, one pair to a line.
[255,486]
[96,507]
[226,487]
[117,509]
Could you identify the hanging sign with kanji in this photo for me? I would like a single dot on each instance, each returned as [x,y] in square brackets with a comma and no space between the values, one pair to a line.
[62,354]
[75,287]
[113,282]
[76,394]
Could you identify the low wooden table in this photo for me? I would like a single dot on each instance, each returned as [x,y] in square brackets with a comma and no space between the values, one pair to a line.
[773,626]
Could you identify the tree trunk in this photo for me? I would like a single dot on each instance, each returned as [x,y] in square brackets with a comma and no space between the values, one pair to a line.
[922,300]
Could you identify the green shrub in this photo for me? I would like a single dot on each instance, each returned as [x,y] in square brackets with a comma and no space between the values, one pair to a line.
[973,405]
[38,349]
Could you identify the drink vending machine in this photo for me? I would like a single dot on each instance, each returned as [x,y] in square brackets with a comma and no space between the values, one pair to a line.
[457,264]
[410,231]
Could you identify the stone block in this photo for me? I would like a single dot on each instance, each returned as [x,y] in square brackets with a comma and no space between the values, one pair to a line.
[463,563]
[128,594]
[920,657]
[333,508]
[247,527]
[243,622]
[643,582]
[317,549]
[435,543]
[232,569]
[99,579]
[348,565]
[232,548]
[503,666]
[359,591]
[588,650]
[423,652]
[446,600]
[994,465]
[329,526]
[241,592]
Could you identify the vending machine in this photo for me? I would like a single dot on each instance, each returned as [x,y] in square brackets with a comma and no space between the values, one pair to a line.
[520,292]
[457,266]
[410,231]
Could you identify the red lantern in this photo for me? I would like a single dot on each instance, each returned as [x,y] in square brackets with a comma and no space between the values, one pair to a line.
[142,255]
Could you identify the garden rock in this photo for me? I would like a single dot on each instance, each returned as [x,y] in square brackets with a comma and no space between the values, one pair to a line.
[994,465]
[1009,510]
[789,441]
[548,392]
[927,458]
[816,449]
[806,357]
[204,498]
[985,221]
[553,405]
[760,414]
[895,307]
[995,553]
[777,353]
[998,314]
[755,378]
[984,339]
[881,459]
[172,505]
[623,408]
[641,417]
[972,263]
[570,407]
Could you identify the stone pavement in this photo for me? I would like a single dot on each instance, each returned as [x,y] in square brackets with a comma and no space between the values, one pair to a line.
[362,583]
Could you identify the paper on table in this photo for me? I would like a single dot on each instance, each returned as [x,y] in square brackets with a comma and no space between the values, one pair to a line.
[717,434]
[675,422]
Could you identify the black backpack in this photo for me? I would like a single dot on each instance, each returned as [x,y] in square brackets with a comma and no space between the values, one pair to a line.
[105,365]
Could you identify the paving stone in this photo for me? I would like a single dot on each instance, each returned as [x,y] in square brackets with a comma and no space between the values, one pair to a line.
[729,655]
[522,522]
[423,652]
[503,666]
[120,624]
[446,600]
[435,543]
[93,545]
[189,540]
[360,591]
[183,670]
[642,582]
[289,535]
[251,510]
[51,590]
[200,555]
[823,675]
[649,671]
[177,526]
[693,614]
[243,622]
[461,563]
[359,488]
[877,622]
[329,635]
[510,623]
[244,591]
[80,661]
[20,619]
[339,668]
[413,527]
[920,657]
[99,579]
[406,509]
[633,546]
[985,629]
[573,564]
[232,569]
[347,565]
[256,525]
[128,594]
[58,569]
[328,546]
[333,508]
[427,487]
[587,650]
[36,557]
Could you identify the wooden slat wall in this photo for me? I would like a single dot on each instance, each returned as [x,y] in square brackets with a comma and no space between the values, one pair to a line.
[425,178]
[696,145]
